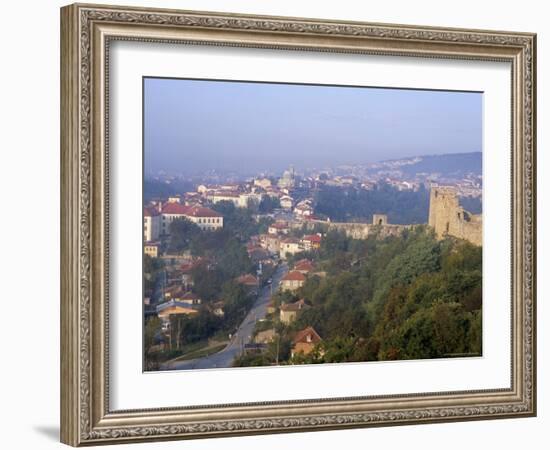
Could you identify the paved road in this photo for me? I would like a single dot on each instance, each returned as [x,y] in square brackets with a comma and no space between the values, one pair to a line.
[242,336]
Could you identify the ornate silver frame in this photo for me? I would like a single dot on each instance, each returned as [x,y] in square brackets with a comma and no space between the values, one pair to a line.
[86,31]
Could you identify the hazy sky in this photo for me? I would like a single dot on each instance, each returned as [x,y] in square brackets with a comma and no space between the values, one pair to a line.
[191,126]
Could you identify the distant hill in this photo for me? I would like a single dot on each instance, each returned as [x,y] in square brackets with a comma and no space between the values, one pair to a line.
[451,166]
[454,165]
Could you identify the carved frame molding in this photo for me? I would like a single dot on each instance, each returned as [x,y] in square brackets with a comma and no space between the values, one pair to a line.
[86,32]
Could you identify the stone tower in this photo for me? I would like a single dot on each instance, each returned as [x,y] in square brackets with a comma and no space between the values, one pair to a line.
[448,218]
[379,219]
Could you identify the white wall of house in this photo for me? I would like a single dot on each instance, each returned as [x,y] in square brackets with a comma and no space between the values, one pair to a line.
[204,223]
[207,223]
[151,228]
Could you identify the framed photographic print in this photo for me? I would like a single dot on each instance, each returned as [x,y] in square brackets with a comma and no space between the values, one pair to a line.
[276,224]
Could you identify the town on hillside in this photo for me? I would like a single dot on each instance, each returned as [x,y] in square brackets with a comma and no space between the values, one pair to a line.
[317,266]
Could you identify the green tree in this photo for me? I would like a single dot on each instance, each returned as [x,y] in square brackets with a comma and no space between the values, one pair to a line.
[152,328]
[182,233]
[268,204]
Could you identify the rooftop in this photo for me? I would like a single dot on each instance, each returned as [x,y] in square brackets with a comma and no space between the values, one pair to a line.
[296,306]
[312,238]
[173,304]
[191,211]
[175,208]
[302,336]
[306,266]
[294,276]
[247,279]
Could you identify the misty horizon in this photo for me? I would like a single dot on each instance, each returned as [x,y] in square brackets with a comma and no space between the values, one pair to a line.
[299,170]
[197,126]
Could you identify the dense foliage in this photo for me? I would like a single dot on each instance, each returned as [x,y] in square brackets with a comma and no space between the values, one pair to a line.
[152,268]
[268,204]
[407,297]
[241,222]
[356,204]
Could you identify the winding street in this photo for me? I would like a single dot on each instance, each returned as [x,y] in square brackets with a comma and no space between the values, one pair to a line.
[242,336]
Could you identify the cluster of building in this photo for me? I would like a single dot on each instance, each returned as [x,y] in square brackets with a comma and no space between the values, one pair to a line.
[305,340]
[246,194]
[295,194]
[278,240]
[179,298]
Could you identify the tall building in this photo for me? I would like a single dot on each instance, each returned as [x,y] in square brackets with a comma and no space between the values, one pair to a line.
[288,180]
[151,224]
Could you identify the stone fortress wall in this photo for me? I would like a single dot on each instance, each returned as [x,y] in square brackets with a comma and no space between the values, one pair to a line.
[446,217]
[380,226]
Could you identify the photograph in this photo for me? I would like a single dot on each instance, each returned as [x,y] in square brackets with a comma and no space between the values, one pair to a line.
[287,224]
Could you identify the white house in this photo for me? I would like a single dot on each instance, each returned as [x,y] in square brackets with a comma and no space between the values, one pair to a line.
[204,218]
[290,246]
[239,199]
[221,196]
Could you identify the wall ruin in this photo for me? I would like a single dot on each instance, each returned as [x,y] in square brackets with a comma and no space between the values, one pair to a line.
[448,218]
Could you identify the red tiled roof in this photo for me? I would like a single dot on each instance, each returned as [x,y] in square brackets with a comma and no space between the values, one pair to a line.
[301,261]
[192,211]
[247,279]
[304,266]
[279,225]
[290,241]
[150,211]
[294,276]
[296,306]
[312,238]
[201,211]
[302,335]
[176,208]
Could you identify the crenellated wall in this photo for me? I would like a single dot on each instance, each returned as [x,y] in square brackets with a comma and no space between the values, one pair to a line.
[447,217]
[361,230]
